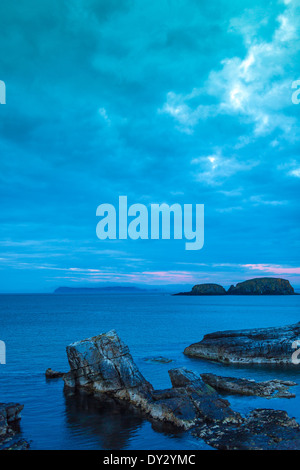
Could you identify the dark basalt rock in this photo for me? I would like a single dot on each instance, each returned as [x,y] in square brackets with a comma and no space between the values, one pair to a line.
[236,386]
[103,367]
[262,286]
[10,414]
[53,374]
[254,346]
[205,289]
[103,364]
[261,430]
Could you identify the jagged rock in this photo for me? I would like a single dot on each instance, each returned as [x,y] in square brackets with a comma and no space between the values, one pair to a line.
[232,385]
[261,430]
[261,345]
[53,374]
[262,286]
[104,364]
[9,415]
[208,404]
[205,289]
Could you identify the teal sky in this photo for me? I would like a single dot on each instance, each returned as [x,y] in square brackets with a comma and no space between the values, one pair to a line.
[163,101]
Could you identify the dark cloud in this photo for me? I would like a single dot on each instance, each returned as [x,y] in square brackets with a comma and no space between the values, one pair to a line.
[184,101]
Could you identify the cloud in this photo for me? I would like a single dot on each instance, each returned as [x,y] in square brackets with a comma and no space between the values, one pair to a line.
[214,169]
[273,268]
[295,172]
[183,104]
[254,87]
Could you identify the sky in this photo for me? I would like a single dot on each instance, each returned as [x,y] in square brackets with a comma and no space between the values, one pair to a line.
[164,101]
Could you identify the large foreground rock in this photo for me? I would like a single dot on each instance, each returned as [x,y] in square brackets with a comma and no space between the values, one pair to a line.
[240,386]
[103,367]
[254,346]
[10,414]
[205,289]
[104,364]
[262,286]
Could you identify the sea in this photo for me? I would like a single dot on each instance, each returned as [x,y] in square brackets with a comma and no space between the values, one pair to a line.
[36,329]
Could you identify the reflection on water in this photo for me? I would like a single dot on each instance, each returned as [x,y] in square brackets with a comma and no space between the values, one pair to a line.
[111,423]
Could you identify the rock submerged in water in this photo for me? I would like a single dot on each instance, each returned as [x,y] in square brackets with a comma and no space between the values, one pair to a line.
[240,386]
[262,286]
[254,346]
[103,366]
[53,374]
[205,289]
[158,360]
[10,414]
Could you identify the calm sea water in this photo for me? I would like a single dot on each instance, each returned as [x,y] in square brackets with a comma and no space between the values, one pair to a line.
[37,328]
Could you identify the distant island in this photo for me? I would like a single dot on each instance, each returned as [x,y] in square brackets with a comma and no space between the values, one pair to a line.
[103,290]
[258,286]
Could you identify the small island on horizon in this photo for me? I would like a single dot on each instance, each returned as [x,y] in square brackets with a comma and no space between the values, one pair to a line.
[257,286]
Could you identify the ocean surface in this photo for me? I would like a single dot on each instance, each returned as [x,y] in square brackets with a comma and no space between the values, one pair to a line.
[37,329]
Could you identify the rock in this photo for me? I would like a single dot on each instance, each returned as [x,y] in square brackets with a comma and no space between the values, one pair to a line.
[18,445]
[205,289]
[52,374]
[262,286]
[262,429]
[232,385]
[208,404]
[253,346]
[159,359]
[103,365]
[10,414]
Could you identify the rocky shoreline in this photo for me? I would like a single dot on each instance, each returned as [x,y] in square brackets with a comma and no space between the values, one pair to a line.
[103,367]
[10,415]
[253,346]
[257,286]
[236,386]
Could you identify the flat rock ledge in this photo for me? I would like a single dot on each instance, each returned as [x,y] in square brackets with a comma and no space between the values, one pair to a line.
[240,386]
[10,414]
[254,346]
[103,366]
[158,360]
